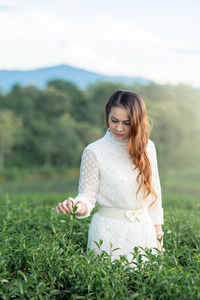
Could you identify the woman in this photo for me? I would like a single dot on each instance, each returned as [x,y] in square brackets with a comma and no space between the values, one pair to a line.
[119,171]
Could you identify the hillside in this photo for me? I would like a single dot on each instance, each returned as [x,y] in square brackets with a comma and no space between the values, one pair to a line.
[39,77]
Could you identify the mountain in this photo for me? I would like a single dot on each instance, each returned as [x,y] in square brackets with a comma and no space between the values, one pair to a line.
[39,77]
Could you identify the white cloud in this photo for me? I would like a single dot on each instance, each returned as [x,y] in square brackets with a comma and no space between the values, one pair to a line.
[102,40]
[9,4]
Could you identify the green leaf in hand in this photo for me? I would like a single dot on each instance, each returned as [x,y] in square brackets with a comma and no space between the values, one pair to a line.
[74,206]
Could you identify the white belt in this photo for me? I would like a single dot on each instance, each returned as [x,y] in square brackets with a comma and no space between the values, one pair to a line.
[128,215]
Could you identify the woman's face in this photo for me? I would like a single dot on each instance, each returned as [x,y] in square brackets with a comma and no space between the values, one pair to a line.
[119,123]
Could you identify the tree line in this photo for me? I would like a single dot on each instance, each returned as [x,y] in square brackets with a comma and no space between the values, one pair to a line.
[50,127]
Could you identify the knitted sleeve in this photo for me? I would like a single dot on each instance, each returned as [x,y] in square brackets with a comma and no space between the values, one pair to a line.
[156,210]
[88,181]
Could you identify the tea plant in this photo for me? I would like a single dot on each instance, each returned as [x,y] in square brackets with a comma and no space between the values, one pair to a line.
[43,255]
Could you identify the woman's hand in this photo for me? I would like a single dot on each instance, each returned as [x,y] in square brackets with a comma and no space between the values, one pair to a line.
[159,237]
[160,244]
[68,204]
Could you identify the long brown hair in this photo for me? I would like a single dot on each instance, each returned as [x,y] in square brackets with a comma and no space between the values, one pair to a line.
[138,138]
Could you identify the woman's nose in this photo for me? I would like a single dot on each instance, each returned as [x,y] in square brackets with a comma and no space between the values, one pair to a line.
[119,127]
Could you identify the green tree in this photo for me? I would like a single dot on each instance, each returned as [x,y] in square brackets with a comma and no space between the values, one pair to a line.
[57,141]
[176,126]
[88,133]
[22,101]
[98,94]
[9,125]
[78,107]
[68,143]
[43,140]
[52,103]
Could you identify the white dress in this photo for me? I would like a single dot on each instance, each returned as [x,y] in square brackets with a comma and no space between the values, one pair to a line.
[107,178]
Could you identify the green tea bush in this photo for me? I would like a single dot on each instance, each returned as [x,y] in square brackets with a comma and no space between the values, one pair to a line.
[43,255]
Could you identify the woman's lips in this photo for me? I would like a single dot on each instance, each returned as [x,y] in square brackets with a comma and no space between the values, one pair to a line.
[119,135]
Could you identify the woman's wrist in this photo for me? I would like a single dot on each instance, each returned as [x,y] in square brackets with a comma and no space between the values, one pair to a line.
[159,236]
[82,209]
[159,233]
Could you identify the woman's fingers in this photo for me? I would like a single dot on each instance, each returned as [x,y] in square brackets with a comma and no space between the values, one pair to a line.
[65,206]
[69,204]
[61,207]
[57,209]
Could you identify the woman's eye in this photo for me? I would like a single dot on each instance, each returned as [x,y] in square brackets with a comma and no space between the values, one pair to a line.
[114,121]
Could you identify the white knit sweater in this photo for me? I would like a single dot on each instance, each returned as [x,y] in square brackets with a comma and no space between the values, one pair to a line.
[107,177]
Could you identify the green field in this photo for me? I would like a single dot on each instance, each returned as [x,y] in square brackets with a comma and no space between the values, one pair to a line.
[43,255]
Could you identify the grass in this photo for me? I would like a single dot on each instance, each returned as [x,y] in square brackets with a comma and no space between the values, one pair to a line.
[40,259]
[182,181]
[38,185]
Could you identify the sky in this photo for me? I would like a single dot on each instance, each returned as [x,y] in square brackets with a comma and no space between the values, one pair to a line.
[155,39]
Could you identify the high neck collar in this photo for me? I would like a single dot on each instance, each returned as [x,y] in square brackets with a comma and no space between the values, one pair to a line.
[110,137]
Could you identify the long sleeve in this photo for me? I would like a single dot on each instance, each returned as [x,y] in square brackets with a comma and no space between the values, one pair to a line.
[156,210]
[88,181]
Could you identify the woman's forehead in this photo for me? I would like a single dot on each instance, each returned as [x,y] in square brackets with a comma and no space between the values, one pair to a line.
[120,113]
